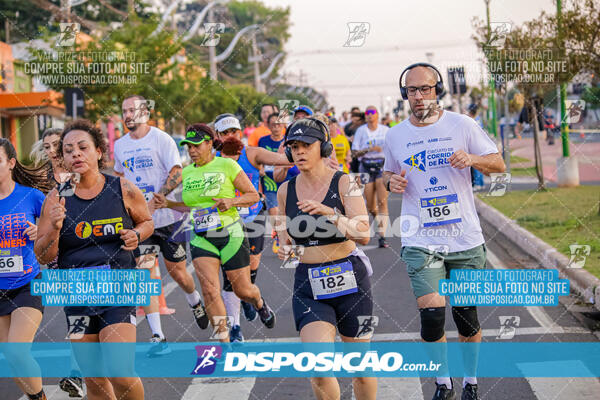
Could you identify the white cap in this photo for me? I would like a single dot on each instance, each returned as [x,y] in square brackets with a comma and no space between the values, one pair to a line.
[223,124]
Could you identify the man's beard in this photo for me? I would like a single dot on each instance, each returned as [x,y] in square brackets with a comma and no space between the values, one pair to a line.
[429,113]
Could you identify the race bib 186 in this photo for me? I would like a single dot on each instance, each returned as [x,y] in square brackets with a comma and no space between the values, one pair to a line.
[441,210]
[332,281]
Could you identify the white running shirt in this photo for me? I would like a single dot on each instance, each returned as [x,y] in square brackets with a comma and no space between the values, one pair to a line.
[365,138]
[437,205]
[147,162]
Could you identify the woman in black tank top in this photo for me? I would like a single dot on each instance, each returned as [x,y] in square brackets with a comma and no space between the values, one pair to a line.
[322,216]
[66,223]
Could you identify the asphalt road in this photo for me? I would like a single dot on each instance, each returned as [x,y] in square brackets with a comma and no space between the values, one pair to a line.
[398,320]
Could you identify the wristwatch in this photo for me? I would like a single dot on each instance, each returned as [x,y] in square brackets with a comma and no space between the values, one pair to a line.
[138,236]
[387,185]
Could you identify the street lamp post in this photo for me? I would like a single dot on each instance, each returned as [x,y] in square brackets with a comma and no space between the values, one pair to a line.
[493,124]
[214,59]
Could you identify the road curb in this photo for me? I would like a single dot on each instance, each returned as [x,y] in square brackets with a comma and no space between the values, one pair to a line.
[582,282]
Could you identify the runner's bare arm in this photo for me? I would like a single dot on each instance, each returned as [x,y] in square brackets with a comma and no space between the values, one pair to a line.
[173,180]
[136,206]
[46,245]
[489,163]
[355,222]
[280,223]
[485,164]
[258,155]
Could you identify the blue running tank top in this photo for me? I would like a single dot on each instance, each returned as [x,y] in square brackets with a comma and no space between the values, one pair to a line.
[248,214]
[18,265]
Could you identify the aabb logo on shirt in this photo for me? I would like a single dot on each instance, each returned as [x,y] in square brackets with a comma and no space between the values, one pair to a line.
[99,227]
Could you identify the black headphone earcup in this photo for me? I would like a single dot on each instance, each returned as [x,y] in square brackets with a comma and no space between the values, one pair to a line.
[288,154]
[439,89]
[326,149]
[403,93]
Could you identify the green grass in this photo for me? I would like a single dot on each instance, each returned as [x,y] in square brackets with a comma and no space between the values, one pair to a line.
[517,159]
[560,217]
[528,171]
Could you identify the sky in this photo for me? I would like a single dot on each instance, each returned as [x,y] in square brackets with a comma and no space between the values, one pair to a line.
[401,32]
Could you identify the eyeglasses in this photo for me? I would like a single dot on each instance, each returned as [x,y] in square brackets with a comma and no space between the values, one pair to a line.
[425,90]
[370,112]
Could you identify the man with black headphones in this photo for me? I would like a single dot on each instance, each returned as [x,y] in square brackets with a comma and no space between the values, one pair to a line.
[428,159]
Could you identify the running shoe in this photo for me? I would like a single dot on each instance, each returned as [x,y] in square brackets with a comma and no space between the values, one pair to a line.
[443,393]
[200,315]
[249,311]
[235,334]
[469,392]
[72,385]
[159,346]
[382,243]
[267,316]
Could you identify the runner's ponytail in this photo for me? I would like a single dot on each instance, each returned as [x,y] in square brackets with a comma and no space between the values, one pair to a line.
[36,178]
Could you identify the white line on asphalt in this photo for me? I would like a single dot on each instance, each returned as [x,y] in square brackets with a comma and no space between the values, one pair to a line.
[219,388]
[399,388]
[561,388]
[538,313]
[416,336]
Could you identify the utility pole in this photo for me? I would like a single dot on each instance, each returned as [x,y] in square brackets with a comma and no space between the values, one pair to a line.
[256,62]
[564,128]
[493,126]
[212,52]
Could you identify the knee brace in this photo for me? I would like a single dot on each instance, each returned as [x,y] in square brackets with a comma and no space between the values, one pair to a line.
[466,320]
[253,275]
[432,323]
[226,283]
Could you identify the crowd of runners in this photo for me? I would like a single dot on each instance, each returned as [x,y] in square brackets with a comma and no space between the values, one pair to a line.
[290,180]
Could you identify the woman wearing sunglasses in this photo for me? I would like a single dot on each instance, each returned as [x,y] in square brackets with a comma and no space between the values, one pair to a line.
[368,147]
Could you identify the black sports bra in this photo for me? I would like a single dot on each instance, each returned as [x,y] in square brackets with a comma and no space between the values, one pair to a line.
[313,230]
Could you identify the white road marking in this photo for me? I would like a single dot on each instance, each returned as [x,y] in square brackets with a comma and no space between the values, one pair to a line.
[538,313]
[562,388]
[416,336]
[219,388]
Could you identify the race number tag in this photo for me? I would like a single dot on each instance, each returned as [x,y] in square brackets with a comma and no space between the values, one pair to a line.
[11,261]
[243,211]
[440,210]
[332,281]
[206,219]
[147,190]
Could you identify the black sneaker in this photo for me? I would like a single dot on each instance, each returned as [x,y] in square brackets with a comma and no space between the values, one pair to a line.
[443,393]
[159,347]
[200,315]
[382,243]
[72,385]
[469,392]
[235,334]
[249,311]
[267,316]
